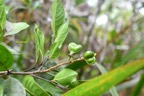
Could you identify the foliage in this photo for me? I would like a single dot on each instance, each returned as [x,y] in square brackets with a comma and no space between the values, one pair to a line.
[6,59]
[33,88]
[13,87]
[39,36]
[106,81]
[2,18]
[46,47]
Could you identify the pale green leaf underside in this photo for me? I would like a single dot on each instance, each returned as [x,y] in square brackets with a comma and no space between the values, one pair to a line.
[30,84]
[58,16]
[14,28]
[13,87]
[98,85]
[66,76]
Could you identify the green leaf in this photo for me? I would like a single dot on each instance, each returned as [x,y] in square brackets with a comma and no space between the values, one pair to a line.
[30,85]
[77,65]
[1,91]
[29,93]
[13,87]
[65,76]
[62,33]
[6,58]
[103,70]
[138,87]
[98,85]
[2,18]
[61,36]
[39,37]
[49,87]
[58,16]
[14,28]
[132,53]
[10,49]
[2,14]
[54,50]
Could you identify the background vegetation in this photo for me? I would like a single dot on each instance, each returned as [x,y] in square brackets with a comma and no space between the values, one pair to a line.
[111,28]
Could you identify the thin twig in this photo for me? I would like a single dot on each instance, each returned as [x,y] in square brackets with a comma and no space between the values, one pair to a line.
[38,77]
[42,71]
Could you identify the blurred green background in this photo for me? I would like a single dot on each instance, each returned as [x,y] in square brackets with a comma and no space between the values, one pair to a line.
[111,28]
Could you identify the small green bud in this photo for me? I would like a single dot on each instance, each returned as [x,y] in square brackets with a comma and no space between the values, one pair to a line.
[74,48]
[88,54]
[91,60]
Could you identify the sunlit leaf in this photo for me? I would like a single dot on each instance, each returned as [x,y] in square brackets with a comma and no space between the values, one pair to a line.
[66,76]
[103,71]
[98,85]
[14,28]
[58,16]
[6,58]
[13,87]
[39,37]
[61,36]
[30,85]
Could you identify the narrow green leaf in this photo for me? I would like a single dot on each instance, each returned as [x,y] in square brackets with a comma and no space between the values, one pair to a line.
[14,28]
[13,87]
[58,16]
[1,91]
[138,87]
[103,71]
[39,37]
[61,36]
[2,18]
[30,84]
[66,76]
[98,85]
[131,54]
[6,58]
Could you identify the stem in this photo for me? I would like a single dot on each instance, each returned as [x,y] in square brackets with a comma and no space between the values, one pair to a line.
[41,71]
